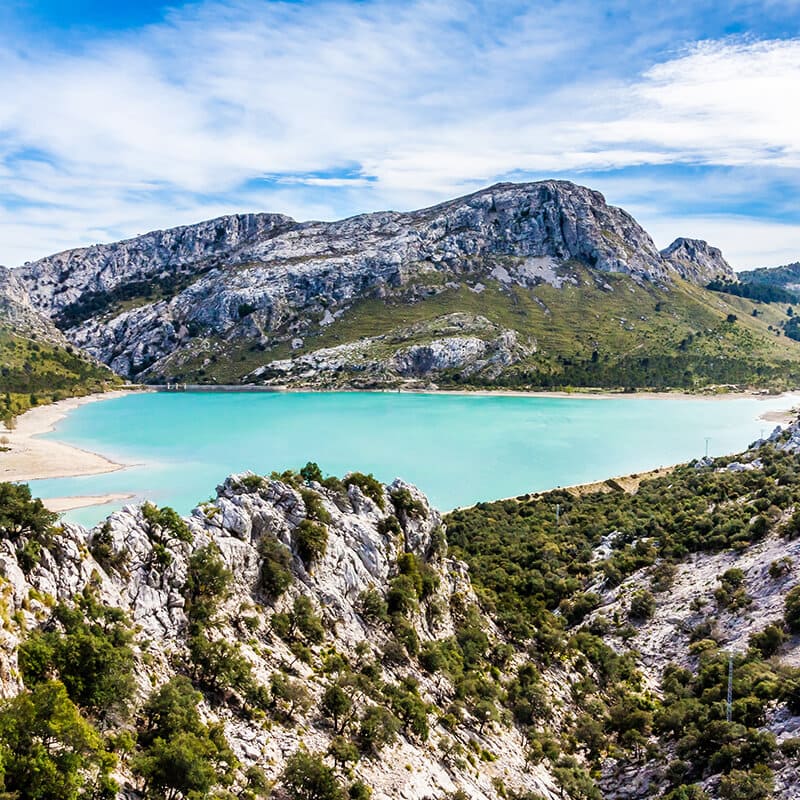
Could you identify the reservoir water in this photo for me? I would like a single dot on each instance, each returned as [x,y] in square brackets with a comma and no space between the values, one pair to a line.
[459,449]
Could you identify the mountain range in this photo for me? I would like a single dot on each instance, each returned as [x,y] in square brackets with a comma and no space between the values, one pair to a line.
[522,285]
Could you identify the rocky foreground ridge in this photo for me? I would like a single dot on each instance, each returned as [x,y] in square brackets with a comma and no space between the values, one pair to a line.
[263,659]
[306,638]
[150,306]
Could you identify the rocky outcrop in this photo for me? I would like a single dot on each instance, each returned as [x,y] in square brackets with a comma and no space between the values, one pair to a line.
[264,278]
[144,572]
[698,261]
[18,314]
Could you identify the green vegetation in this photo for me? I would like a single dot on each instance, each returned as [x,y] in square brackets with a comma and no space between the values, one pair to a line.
[37,372]
[180,756]
[138,290]
[48,751]
[752,290]
[600,330]
[90,654]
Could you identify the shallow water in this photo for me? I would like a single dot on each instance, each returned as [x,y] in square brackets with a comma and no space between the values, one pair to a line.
[458,449]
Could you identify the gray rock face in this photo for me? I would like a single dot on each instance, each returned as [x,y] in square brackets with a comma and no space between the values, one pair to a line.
[360,555]
[17,313]
[262,277]
[698,261]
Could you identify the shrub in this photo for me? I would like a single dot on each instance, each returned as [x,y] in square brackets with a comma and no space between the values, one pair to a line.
[166,524]
[643,606]
[22,516]
[311,472]
[402,595]
[275,577]
[311,540]
[756,784]
[314,507]
[373,607]
[206,585]
[180,756]
[406,504]
[92,657]
[369,485]
[307,777]
[48,750]
[791,612]
[378,728]
[768,641]
[336,705]
[101,547]
[390,526]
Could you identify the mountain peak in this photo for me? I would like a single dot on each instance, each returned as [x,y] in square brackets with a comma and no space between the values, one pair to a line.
[697,260]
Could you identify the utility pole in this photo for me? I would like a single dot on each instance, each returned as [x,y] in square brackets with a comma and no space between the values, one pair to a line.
[729,709]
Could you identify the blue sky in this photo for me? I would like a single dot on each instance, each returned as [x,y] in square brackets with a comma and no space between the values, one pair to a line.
[117,118]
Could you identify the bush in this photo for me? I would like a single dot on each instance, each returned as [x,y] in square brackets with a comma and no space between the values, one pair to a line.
[207,584]
[791,612]
[369,485]
[378,728]
[643,606]
[48,750]
[756,784]
[22,516]
[275,577]
[92,657]
[311,472]
[373,607]
[307,777]
[311,540]
[768,641]
[336,706]
[180,756]
[405,503]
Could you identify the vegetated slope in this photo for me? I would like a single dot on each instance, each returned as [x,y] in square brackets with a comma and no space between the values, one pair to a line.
[785,277]
[37,363]
[531,271]
[657,589]
[299,637]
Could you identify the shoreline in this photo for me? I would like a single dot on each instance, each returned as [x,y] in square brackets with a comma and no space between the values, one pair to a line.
[61,504]
[31,458]
[577,394]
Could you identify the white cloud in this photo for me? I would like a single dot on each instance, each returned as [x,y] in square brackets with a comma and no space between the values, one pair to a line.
[354,106]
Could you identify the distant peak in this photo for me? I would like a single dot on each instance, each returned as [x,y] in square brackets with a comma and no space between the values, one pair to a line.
[697,260]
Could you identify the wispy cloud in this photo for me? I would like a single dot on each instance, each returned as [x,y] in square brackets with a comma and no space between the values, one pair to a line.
[323,109]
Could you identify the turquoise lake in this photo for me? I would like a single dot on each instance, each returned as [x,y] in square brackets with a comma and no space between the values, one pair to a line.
[458,449]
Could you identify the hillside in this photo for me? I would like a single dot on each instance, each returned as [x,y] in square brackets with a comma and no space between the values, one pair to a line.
[785,277]
[307,638]
[539,284]
[39,364]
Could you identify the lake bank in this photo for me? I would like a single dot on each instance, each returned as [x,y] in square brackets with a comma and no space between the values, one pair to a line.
[460,448]
[30,457]
[33,458]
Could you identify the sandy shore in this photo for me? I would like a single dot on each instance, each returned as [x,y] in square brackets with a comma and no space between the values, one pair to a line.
[60,504]
[30,458]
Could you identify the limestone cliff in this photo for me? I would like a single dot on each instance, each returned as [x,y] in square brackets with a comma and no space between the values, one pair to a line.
[135,564]
[147,305]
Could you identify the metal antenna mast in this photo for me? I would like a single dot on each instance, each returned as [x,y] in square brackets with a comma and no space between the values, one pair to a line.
[708,439]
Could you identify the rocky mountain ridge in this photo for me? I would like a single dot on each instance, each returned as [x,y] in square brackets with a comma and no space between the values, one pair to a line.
[142,563]
[305,609]
[146,305]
